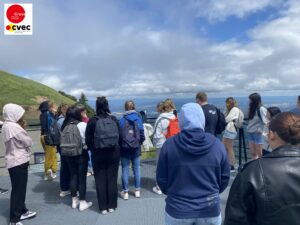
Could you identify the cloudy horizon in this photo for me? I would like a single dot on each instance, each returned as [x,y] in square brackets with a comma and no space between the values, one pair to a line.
[145,48]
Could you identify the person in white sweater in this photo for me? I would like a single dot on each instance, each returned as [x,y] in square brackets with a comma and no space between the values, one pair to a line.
[166,110]
[231,116]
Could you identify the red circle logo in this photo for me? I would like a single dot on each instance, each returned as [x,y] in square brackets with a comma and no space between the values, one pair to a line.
[15,13]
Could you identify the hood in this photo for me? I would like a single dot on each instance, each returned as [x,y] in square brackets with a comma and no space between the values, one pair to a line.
[191,116]
[194,141]
[131,115]
[44,106]
[169,115]
[12,112]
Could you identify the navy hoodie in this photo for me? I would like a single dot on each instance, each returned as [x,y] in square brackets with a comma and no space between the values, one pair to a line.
[192,171]
[132,116]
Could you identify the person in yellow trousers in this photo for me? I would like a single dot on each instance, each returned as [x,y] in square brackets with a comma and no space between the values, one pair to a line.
[49,137]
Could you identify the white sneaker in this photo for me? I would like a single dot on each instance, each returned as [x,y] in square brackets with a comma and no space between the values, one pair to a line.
[104,212]
[75,202]
[18,223]
[137,193]
[28,215]
[157,190]
[124,195]
[50,175]
[83,205]
[111,210]
[64,193]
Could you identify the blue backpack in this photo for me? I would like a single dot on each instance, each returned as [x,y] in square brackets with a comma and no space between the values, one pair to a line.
[130,135]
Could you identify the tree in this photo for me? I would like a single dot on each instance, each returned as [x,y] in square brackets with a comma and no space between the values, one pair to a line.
[84,101]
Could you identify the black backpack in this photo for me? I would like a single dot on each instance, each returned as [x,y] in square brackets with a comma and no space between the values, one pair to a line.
[106,134]
[70,140]
[221,125]
[53,135]
[130,135]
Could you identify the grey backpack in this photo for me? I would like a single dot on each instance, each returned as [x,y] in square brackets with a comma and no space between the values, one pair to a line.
[106,133]
[70,140]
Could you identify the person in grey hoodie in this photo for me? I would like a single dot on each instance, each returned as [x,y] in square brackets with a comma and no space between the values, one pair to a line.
[17,156]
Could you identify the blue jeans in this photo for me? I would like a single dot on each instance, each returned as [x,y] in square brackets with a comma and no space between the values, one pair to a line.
[135,161]
[169,220]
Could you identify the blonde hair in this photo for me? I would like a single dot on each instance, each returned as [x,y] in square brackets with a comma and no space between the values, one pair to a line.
[169,105]
[160,107]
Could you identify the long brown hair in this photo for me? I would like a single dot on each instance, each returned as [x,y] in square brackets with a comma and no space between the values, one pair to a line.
[255,103]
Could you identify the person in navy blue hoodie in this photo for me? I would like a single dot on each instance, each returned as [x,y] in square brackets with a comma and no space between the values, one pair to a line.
[192,171]
[132,137]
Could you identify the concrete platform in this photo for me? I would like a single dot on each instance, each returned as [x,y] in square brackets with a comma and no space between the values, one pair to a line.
[43,197]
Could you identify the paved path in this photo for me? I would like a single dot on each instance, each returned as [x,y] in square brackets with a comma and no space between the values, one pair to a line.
[42,196]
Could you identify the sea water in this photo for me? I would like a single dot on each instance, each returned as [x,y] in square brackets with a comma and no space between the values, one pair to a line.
[285,103]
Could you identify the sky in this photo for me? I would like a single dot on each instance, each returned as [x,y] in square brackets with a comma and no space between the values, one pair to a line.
[147,48]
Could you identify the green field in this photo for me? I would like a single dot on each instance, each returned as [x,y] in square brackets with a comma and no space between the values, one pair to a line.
[28,93]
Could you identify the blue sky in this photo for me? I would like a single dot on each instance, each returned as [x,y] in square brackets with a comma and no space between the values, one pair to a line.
[151,48]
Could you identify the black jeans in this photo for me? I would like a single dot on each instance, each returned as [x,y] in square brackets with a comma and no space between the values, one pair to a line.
[78,166]
[18,177]
[105,166]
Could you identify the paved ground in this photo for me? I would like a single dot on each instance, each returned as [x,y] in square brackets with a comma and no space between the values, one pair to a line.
[42,196]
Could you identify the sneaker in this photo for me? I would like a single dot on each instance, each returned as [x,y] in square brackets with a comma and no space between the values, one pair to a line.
[111,210]
[28,215]
[89,174]
[157,190]
[124,195]
[3,191]
[50,175]
[18,223]
[75,202]
[83,205]
[64,193]
[137,194]
[104,212]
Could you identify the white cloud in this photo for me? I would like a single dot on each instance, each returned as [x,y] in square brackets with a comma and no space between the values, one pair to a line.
[119,53]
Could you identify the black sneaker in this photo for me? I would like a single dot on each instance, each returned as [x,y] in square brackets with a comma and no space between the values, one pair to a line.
[3,191]
[28,215]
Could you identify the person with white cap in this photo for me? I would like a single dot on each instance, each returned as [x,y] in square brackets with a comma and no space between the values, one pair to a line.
[192,171]
[17,143]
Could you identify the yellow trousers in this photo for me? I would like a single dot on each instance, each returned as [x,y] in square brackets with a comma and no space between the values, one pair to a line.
[50,156]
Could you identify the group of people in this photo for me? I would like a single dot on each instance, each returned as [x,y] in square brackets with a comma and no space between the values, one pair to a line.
[193,165]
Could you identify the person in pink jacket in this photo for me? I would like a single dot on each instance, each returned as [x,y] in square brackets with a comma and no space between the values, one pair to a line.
[17,143]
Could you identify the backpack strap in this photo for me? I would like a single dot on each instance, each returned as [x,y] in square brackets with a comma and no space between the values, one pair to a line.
[156,124]
[259,114]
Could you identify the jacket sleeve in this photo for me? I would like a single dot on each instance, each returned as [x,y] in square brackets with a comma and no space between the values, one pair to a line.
[44,123]
[89,133]
[233,115]
[240,207]
[263,113]
[162,170]
[225,172]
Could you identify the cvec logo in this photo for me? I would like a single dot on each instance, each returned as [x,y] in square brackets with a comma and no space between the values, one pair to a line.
[18,19]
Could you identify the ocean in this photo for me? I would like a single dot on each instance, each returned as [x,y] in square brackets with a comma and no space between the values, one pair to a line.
[285,103]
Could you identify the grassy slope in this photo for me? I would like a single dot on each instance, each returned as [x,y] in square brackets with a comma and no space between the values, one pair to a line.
[26,92]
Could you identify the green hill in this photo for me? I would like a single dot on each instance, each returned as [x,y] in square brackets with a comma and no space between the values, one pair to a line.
[28,93]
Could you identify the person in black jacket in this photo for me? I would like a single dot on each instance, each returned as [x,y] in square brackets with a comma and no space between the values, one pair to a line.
[211,113]
[267,189]
[48,111]
[105,160]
